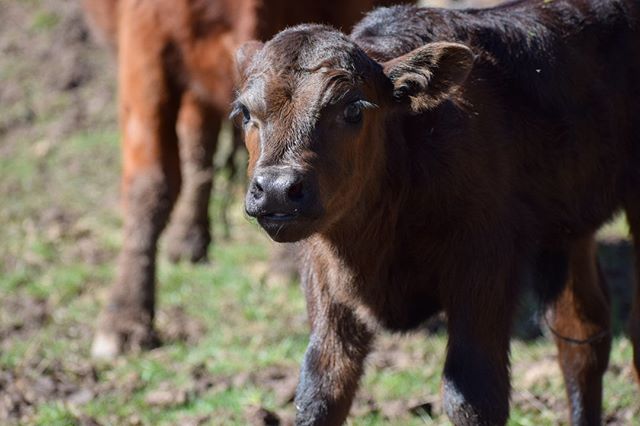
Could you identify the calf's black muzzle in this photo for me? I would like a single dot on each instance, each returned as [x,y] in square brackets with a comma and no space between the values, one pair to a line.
[283,200]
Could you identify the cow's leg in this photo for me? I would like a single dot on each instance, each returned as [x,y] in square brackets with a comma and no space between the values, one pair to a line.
[151,181]
[231,168]
[189,236]
[476,373]
[580,322]
[333,362]
[633,216]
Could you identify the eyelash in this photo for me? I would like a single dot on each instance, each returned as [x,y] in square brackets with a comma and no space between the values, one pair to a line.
[240,110]
[360,105]
[365,104]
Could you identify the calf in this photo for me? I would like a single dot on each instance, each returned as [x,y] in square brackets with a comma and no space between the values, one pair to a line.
[175,65]
[431,161]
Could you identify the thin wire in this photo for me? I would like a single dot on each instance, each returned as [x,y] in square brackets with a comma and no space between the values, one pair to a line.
[598,336]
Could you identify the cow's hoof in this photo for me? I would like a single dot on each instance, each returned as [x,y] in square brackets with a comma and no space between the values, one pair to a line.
[189,244]
[106,345]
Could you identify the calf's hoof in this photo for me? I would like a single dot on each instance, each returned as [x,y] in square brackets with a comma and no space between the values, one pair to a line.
[188,243]
[476,409]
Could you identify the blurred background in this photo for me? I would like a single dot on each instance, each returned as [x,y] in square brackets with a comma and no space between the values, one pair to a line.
[233,336]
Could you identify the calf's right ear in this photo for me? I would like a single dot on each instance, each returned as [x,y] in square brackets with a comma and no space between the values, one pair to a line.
[426,76]
[245,54]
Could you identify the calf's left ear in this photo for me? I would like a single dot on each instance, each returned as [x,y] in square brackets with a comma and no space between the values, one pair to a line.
[426,76]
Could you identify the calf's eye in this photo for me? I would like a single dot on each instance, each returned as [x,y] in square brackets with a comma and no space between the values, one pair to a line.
[246,116]
[353,112]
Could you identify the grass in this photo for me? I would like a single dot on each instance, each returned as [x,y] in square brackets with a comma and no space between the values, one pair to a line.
[44,21]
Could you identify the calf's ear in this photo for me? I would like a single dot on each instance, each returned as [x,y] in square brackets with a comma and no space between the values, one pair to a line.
[426,76]
[245,54]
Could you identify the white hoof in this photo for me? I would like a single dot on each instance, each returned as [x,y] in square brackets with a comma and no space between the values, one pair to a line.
[105,346]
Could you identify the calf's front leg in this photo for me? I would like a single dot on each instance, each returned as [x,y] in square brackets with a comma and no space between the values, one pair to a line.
[476,373]
[333,362]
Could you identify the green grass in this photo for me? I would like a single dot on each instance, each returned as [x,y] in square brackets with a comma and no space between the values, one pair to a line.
[616,228]
[44,21]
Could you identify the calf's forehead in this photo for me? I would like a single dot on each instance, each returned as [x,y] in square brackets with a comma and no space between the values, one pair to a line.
[307,47]
[299,61]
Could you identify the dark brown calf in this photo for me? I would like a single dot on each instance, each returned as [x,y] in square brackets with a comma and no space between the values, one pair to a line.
[176,77]
[433,160]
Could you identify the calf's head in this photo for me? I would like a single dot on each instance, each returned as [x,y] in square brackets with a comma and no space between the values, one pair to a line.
[315,109]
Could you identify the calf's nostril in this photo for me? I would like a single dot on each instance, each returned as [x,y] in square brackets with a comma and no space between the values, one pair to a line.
[295,191]
[257,186]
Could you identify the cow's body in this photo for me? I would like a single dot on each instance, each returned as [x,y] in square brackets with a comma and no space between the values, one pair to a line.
[176,76]
[447,199]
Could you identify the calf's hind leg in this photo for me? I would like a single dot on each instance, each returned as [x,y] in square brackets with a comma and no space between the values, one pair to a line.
[580,321]
[198,127]
[633,216]
[151,181]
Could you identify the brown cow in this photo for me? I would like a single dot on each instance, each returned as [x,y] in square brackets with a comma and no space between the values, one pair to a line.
[175,65]
[431,161]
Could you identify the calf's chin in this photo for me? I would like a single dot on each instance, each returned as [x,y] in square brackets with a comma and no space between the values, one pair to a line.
[288,231]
